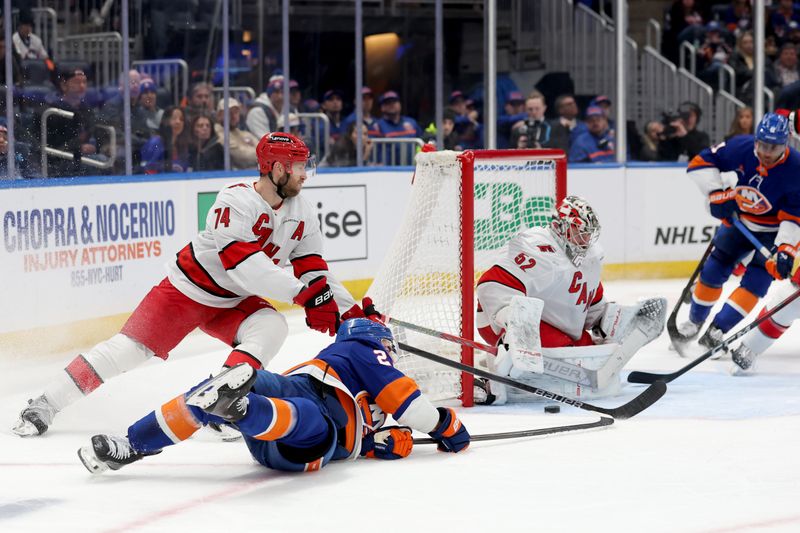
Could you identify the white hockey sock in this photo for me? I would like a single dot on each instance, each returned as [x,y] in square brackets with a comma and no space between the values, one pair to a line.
[90,370]
[259,338]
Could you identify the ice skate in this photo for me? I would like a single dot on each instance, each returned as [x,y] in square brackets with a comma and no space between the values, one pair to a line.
[482,393]
[711,339]
[107,451]
[36,418]
[744,360]
[226,394]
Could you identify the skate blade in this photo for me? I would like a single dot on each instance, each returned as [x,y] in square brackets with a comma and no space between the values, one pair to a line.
[206,395]
[225,433]
[90,460]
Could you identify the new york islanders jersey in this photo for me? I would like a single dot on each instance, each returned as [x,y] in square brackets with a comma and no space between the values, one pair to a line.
[244,248]
[534,264]
[768,198]
[368,387]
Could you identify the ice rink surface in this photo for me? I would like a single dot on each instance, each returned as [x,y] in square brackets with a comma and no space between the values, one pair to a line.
[716,454]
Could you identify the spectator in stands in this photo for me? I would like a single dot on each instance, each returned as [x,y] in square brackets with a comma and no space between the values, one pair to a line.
[21,156]
[738,17]
[712,54]
[742,123]
[242,144]
[784,69]
[205,150]
[781,19]
[169,150]
[653,132]
[332,107]
[394,125]
[295,97]
[201,100]
[265,109]
[537,131]
[75,135]
[16,65]
[681,139]
[370,120]
[684,24]
[26,43]
[449,136]
[742,60]
[114,108]
[513,113]
[567,109]
[469,129]
[344,152]
[596,145]
[148,108]
[458,104]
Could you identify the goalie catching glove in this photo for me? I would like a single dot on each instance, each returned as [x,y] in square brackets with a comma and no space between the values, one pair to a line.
[393,442]
[450,433]
[322,313]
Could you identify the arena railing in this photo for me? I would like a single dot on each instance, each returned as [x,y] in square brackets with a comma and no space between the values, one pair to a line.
[102,50]
[317,132]
[725,111]
[243,94]
[557,34]
[653,34]
[87,161]
[395,152]
[687,57]
[658,76]
[172,74]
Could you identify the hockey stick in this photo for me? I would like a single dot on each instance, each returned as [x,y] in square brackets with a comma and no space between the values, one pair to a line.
[672,321]
[628,410]
[603,422]
[552,367]
[648,377]
[760,248]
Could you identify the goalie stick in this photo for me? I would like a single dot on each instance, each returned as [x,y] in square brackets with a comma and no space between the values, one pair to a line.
[648,377]
[628,410]
[551,368]
[603,422]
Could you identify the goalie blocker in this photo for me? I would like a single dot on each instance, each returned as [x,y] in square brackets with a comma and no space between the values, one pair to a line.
[560,267]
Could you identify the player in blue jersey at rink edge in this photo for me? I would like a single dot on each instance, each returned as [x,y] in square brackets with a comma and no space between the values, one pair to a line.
[330,408]
[756,178]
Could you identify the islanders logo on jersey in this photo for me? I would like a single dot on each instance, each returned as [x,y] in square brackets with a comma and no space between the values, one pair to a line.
[751,200]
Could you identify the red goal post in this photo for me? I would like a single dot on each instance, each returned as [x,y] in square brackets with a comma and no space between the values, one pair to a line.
[463,208]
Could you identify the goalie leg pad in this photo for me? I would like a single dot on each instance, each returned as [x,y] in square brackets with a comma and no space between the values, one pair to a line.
[522,335]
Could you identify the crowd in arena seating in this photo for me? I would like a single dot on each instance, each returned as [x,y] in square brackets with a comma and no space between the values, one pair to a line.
[179,136]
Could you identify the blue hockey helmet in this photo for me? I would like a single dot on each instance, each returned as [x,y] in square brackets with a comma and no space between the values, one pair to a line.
[773,129]
[367,330]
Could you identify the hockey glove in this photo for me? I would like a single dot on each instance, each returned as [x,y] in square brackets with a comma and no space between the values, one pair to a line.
[781,263]
[367,310]
[722,203]
[322,313]
[393,442]
[450,433]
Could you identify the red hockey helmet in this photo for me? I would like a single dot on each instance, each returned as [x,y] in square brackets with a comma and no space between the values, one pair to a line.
[576,226]
[280,147]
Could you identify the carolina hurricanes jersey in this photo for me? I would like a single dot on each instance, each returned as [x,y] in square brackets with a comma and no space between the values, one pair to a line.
[768,198]
[368,387]
[246,245]
[534,264]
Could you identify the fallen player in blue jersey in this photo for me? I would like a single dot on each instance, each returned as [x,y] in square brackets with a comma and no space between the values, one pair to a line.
[330,408]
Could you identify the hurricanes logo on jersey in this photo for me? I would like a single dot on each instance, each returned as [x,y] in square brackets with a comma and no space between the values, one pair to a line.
[751,200]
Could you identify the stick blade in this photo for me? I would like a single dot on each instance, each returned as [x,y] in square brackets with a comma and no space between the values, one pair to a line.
[647,398]
[646,377]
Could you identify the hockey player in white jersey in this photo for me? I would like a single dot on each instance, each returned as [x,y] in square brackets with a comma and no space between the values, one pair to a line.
[759,339]
[560,266]
[218,281]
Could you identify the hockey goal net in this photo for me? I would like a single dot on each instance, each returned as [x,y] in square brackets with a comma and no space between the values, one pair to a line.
[463,208]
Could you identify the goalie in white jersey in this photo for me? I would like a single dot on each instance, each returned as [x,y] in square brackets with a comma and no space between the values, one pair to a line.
[253,230]
[560,266]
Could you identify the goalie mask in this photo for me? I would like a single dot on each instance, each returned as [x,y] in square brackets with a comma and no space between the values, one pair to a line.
[575,226]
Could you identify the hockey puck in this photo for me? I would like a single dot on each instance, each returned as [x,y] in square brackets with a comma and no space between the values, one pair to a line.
[552,408]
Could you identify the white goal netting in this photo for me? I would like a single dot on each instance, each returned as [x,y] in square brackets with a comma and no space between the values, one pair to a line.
[423,278]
